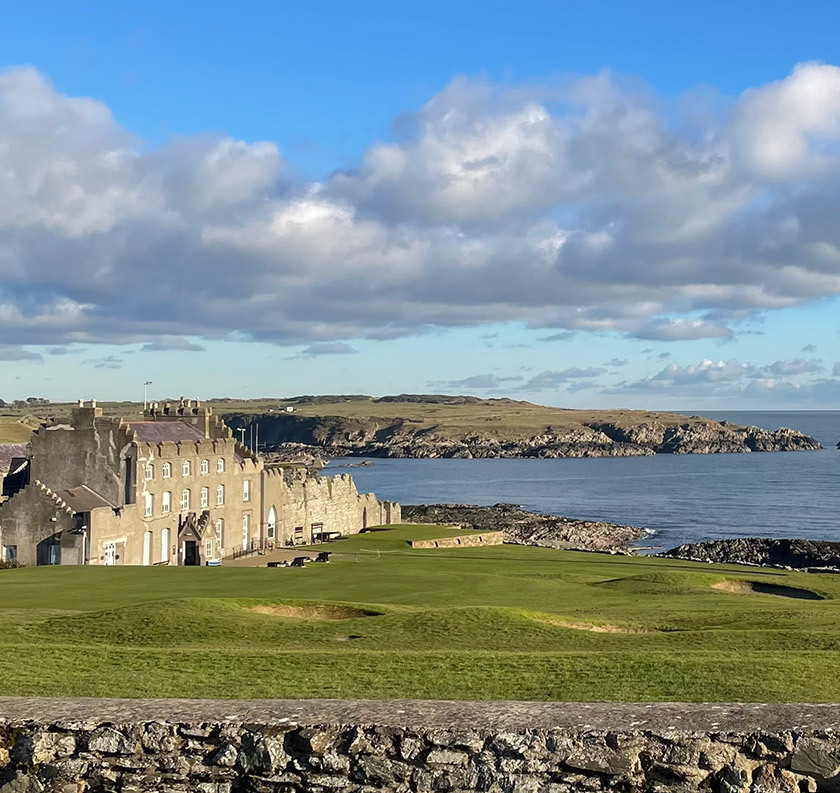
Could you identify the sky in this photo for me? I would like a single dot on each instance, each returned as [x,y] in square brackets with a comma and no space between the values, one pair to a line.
[585,204]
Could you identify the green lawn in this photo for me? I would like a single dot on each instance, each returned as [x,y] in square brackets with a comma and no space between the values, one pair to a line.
[504,622]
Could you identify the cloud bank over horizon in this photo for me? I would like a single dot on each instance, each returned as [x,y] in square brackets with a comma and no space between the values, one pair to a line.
[587,206]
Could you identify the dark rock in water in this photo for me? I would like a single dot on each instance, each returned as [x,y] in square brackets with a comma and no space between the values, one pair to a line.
[762,551]
[521,527]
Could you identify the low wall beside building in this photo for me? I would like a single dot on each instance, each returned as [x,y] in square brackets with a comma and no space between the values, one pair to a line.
[467,539]
[316,746]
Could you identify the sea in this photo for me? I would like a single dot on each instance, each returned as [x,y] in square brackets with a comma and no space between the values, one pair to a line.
[678,498]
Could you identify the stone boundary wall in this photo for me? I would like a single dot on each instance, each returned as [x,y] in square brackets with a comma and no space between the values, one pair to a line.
[465,540]
[73,746]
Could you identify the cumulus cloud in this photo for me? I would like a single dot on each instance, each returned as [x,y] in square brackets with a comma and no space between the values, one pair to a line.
[478,381]
[105,362]
[168,343]
[548,379]
[794,367]
[14,352]
[734,378]
[809,348]
[589,206]
[325,348]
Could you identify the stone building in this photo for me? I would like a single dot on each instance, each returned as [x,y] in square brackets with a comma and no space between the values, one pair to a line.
[12,460]
[174,488]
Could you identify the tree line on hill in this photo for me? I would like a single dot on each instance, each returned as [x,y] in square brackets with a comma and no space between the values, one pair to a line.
[29,402]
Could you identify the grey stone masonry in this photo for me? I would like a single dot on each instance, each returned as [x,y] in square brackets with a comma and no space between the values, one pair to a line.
[79,745]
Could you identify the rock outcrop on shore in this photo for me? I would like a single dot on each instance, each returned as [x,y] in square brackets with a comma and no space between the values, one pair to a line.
[336,436]
[521,527]
[762,551]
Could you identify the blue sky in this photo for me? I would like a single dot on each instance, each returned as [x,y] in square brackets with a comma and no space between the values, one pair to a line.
[577,203]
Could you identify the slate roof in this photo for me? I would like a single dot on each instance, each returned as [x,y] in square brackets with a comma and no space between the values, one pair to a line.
[82,499]
[159,431]
[9,452]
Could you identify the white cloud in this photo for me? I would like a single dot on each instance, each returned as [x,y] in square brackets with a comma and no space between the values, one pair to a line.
[781,128]
[734,378]
[548,380]
[587,207]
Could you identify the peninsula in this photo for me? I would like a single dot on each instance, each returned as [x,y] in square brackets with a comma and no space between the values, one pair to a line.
[433,426]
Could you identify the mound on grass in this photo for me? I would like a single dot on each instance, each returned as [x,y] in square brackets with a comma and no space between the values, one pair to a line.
[383,620]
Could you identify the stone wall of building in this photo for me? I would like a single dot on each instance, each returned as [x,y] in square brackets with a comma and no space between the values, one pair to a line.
[31,517]
[98,449]
[302,499]
[71,746]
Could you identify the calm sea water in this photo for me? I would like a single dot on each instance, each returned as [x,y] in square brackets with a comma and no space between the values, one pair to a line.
[683,498]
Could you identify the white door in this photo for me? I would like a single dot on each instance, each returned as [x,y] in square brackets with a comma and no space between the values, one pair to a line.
[245,532]
[272,523]
[147,548]
[164,546]
[110,554]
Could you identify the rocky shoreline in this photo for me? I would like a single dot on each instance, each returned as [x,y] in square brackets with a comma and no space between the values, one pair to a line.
[790,554]
[290,436]
[521,527]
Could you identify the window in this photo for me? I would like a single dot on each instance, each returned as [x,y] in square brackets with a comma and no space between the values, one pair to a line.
[246,490]
[10,553]
[246,526]
[167,471]
[149,504]
[220,529]
[220,495]
[150,473]
[185,499]
[185,468]
[220,465]
[205,466]
[164,545]
[208,549]
[205,496]
[166,503]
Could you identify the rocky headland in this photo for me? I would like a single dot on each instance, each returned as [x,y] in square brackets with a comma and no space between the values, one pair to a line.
[521,527]
[795,554]
[477,429]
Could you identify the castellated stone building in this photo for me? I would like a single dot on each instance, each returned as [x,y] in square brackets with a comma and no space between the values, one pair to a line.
[174,488]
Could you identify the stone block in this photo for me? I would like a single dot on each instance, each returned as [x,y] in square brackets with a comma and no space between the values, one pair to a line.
[108,740]
[816,757]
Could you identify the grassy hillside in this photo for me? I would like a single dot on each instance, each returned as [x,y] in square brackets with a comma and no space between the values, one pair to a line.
[485,623]
[16,426]
[504,418]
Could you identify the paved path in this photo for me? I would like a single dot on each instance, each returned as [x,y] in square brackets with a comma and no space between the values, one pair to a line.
[279,555]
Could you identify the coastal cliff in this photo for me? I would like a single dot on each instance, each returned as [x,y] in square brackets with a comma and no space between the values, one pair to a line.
[466,427]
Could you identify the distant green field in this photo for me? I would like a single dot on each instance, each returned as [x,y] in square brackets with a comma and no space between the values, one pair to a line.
[504,622]
[503,419]
[16,426]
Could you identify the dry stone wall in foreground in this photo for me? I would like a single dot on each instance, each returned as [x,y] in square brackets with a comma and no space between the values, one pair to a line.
[318,746]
